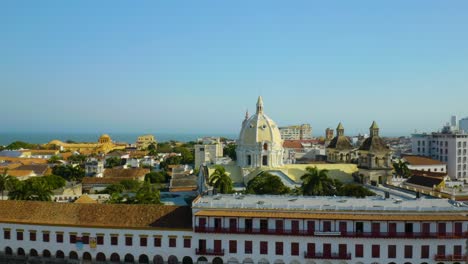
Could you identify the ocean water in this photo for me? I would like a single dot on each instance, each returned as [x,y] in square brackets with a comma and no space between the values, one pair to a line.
[42,138]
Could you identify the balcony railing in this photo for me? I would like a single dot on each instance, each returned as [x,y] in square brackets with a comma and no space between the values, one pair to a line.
[311,255]
[209,252]
[450,257]
[330,233]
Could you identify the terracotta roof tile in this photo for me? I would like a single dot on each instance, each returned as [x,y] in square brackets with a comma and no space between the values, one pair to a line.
[97,215]
[125,173]
[420,160]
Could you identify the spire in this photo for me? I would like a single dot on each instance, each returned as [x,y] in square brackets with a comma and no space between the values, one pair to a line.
[246,114]
[374,130]
[260,105]
[340,130]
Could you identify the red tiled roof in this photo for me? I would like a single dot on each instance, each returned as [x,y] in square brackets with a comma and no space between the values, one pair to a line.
[97,215]
[420,160]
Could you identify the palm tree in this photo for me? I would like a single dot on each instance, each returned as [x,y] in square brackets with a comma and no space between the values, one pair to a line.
[316,182]
[5,181]
[401,168]
[220,180]
[31,191]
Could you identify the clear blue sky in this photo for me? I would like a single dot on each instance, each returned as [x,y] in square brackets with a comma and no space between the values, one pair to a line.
[196,66]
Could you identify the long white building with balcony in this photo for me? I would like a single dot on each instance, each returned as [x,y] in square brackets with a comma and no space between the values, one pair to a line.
[246,229]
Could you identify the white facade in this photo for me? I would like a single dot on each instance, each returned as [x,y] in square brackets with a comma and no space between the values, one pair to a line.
[94,167]
[298,132]
[448,147]
[208,151]
[265,229]
[260,142]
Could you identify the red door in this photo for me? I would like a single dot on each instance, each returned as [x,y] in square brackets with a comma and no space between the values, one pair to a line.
[392,229]
[327,226]
[342,250]
[279,226]
[295,226]
[343,228]
[310,249]
[232,224]
[310,227]
[217,246]
[426,229]
[458,229]
[327,250]
[202,223]
[441,229]
[375,229]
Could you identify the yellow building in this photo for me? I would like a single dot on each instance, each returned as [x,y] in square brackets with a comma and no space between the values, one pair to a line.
[143,142]
[104,145]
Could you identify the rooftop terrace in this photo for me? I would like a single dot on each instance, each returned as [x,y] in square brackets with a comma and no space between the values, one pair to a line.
[300,203]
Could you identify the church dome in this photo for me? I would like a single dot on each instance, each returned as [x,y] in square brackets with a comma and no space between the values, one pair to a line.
[259,128]
[259,142]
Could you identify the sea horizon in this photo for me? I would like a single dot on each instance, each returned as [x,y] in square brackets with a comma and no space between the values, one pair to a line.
[130,138]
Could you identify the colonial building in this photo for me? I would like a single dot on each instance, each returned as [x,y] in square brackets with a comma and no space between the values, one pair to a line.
[298,132]
[236,229]
[208,151]
[260,142]
[339,150]
[143,142]
[104,145]
[374,160]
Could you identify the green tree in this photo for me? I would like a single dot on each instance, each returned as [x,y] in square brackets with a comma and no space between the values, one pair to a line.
[31,190]
[147,194]
[5,181]
[113,162]
[220,180]
[54,159]
[401,169]
[173,160]
[164,147]
[317,182]
[230,151]
[130,185]
[69,172]
[266,183]
[53,181]
[78,159]
[354,190]
[155,177]
[187,154]
[21,145]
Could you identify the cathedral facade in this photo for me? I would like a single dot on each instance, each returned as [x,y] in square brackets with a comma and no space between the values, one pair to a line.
[259,143]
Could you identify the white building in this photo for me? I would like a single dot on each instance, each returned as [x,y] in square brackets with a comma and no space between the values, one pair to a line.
[298,132]
[260,142]
[238,229]
[422,163]
[463,124]
[447,146]
[94,167]
[208,151]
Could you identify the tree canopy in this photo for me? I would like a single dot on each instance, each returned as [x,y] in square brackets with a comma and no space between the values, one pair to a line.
[220,180]
[230,151]
[33,189]
[113,162]
[156,177]
[267,183]
[21,145]
[401,169]
[69,172]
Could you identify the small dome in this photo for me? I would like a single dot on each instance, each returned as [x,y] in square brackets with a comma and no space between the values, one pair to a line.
[104,136]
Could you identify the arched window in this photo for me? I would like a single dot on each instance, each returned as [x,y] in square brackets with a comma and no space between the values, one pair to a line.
[115,257]
[143,259]
[129,258]
[59,254]
[217,260]
[33,253]
[187,260]
[73,255]
[87,256]
[8,251]
[172,260]
[100,257]
[158,260]
[46,253]
[21,252]
[265,146]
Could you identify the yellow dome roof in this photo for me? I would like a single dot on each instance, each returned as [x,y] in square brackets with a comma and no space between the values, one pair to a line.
[259,128]
[104,136]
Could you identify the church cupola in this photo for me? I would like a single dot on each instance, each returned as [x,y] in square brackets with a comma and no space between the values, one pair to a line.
[340,130]
[374,130]
[260,105]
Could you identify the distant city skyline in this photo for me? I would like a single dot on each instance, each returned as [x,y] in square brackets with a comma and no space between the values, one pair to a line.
[196,67]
